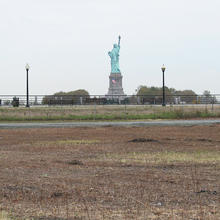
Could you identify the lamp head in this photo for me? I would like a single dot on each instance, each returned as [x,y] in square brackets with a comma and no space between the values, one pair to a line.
[163,68]
[27,67]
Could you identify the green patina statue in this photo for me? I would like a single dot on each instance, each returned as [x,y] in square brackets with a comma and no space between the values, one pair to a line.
[114,54]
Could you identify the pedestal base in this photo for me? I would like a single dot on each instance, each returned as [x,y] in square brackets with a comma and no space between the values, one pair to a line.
[115,90]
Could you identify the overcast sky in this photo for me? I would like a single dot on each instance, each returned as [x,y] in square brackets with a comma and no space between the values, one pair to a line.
[66,44]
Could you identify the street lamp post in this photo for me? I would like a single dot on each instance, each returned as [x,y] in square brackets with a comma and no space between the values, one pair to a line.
[163,68]
[27,67]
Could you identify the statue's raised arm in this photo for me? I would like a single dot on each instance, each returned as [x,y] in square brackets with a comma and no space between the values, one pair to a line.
[119,40]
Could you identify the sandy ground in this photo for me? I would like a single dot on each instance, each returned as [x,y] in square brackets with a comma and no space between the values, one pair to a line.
[111,172]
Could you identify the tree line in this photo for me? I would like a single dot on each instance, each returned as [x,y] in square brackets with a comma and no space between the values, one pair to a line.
[153,95]
[143,95]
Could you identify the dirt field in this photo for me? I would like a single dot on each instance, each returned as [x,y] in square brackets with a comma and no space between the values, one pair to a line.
[111,173]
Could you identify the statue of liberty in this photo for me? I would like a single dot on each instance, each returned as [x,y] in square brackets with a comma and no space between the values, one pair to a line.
[114,55]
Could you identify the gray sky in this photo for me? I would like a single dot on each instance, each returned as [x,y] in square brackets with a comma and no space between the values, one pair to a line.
[66,44]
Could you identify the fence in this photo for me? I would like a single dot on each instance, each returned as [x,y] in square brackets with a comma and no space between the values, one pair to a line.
[60,100]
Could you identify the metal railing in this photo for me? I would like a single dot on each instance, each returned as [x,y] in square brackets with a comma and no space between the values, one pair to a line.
[61,100]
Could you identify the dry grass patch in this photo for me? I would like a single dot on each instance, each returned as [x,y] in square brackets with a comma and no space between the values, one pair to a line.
[5,216]
[165,157]
[63,142]
[69,142]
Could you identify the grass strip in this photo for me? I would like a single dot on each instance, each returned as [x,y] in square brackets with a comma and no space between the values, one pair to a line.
[176,114]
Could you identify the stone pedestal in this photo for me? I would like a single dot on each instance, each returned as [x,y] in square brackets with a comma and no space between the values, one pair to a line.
[115,86]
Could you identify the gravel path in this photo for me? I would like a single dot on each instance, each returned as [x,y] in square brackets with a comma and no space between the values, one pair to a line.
[101,124]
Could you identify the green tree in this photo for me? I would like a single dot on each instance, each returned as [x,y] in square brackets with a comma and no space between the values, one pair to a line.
[79,92]
[207,98]
[153,95]
[67,98]
[187,96]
